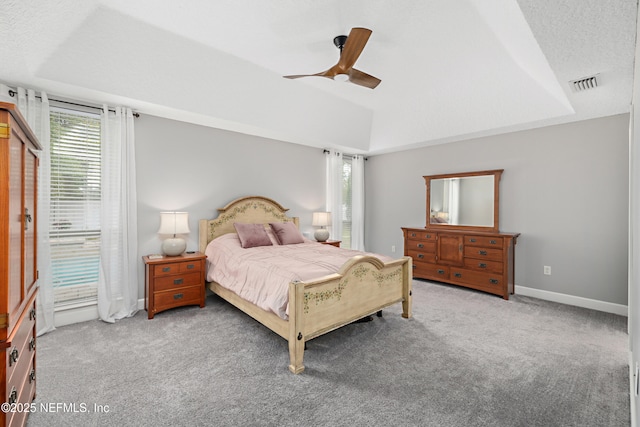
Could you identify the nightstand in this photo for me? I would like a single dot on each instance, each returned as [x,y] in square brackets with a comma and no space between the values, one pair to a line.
[335,243]
[173,281]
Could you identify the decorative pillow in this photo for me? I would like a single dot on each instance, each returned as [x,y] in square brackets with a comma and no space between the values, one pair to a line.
[287,233]
[252,235]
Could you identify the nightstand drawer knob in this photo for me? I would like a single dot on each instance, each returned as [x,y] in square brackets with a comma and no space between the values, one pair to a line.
[166,269]
[482,252]
[178,296]
[32,344]
[191,266]
[32,376]
[420,245]
[178,281]
[482,265]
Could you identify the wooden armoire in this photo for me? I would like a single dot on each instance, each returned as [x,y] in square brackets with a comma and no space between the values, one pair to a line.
[19,149]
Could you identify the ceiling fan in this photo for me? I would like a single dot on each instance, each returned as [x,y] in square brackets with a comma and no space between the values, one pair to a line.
[350,49]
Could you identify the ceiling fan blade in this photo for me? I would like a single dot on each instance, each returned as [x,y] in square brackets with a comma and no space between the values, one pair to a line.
[363,79]
[297,76]
[352,49]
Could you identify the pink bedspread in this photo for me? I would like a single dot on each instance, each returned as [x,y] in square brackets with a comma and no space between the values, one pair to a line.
[262,275]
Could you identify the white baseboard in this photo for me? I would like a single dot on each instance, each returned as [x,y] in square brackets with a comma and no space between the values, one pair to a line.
[607,307]
[81,314]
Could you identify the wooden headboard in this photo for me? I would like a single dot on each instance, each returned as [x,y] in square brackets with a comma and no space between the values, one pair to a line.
[250,209]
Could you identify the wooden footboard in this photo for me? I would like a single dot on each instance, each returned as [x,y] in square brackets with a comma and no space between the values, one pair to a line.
[363,286]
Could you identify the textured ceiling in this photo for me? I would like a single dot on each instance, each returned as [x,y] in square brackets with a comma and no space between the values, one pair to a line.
[449,70]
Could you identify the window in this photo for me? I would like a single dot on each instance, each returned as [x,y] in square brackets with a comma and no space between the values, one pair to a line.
[75,205]
[346,202]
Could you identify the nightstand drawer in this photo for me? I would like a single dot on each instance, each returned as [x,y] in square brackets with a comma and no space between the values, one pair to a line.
[177,281]
[188,267]
[178,297]
[166,269]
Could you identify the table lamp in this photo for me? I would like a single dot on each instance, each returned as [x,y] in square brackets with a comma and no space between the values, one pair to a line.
[173,223]
[321,219]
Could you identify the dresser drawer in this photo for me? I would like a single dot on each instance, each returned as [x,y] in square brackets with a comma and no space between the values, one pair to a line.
[421,235]
[421,246]
[484,265]
[21,391]
[177,281]
[176,298]
[482,253]
[488,281]
[432,271]
[422,256]
[21,347]
[483,241]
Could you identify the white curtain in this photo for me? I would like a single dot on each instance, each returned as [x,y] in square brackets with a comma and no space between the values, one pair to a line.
[118,279]
[357,202]
[334,192]
[36,112]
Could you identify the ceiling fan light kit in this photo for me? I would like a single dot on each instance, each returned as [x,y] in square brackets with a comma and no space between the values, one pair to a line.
[350,49]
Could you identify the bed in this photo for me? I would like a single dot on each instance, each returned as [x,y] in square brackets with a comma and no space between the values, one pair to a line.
[361,286]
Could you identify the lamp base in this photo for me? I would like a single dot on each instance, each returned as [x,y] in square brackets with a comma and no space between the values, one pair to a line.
[321,235]
[174,246]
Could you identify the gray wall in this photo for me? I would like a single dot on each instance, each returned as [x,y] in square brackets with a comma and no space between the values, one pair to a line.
[565,188]
[197,169]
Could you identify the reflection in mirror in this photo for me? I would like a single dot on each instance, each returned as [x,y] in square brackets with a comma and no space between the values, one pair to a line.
[462,201]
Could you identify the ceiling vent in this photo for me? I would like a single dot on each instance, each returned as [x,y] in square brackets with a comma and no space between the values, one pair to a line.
[584,83]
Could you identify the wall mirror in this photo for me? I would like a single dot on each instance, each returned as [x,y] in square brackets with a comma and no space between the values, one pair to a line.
[464,201]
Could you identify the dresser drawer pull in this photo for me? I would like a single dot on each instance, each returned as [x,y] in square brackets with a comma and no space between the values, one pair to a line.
[413,266]
[457,274]
[420,245]
[166,269]
[493,242]
[177,281]
[413,234]
[482,252]
[472,240]
[13,396]
[190,266]
[428,236]
[32,344]
[440,271]
[420,256]
[493,281]
[482,265]
[32,376]
[32,314]
[178,296]
[13,356]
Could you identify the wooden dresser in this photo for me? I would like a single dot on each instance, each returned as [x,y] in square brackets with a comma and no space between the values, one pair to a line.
[18,263]
[478,260]
[174,281]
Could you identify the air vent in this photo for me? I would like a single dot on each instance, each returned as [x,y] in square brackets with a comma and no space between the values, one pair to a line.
[584,83]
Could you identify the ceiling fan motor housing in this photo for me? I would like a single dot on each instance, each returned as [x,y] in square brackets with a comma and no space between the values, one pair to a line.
[339,41]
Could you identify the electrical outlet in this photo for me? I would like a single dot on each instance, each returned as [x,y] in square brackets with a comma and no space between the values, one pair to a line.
[547,270]
[393,249]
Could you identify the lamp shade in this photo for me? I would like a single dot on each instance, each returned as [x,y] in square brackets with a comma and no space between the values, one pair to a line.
[321,219]
[174,223]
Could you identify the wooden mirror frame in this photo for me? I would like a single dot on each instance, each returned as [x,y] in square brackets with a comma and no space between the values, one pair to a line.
[496,201]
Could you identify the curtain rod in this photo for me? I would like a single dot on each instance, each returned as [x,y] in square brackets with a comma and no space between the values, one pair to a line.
[325,151]
[12,93]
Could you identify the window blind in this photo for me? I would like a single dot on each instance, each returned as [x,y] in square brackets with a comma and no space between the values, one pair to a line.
[75,205]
